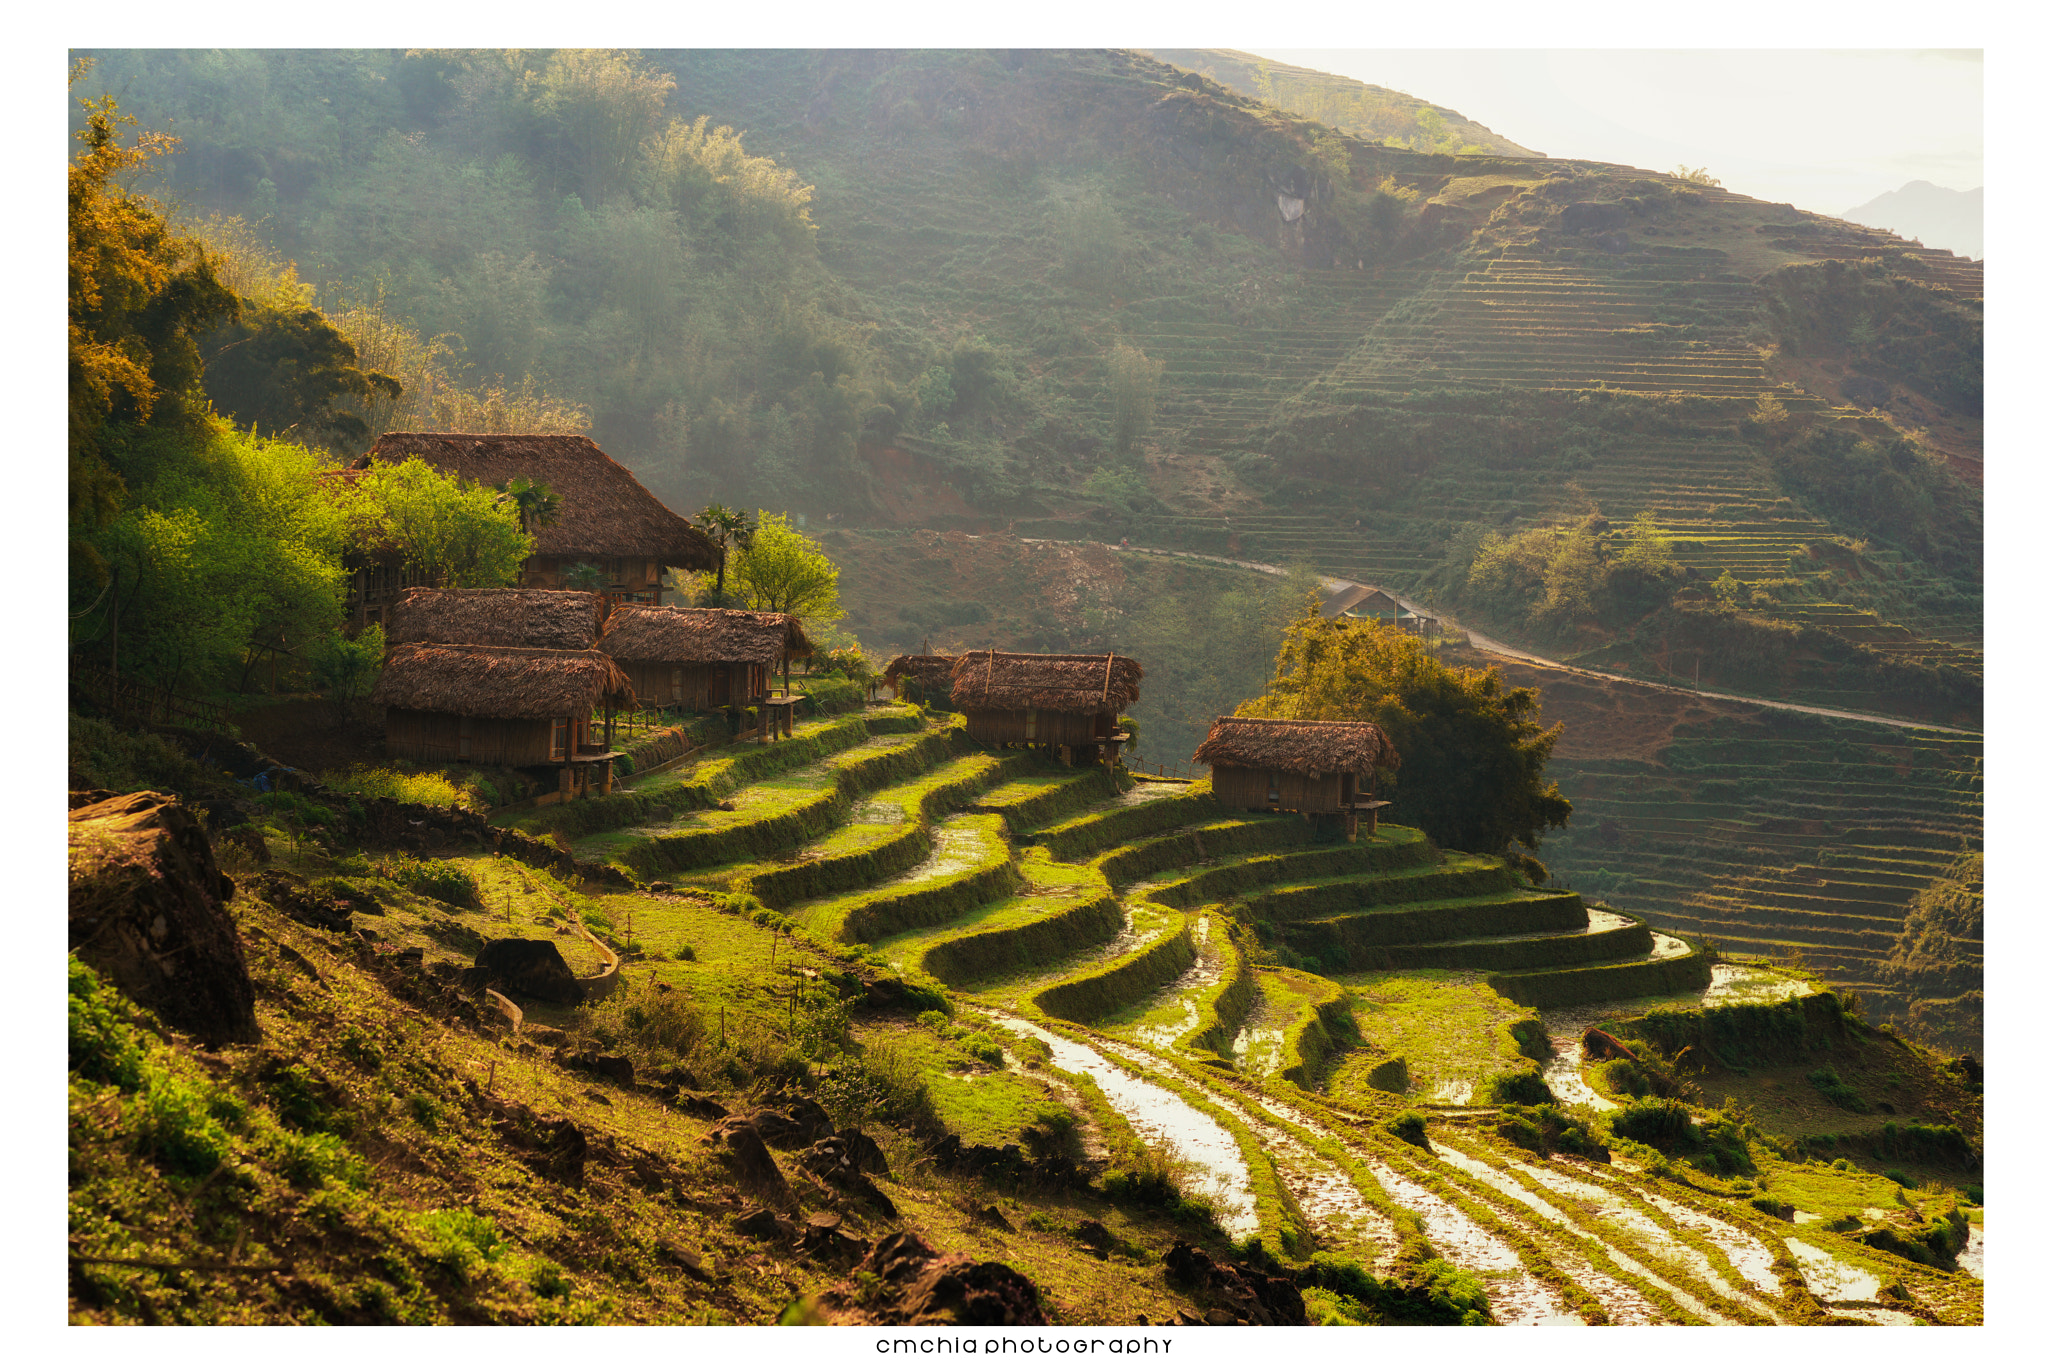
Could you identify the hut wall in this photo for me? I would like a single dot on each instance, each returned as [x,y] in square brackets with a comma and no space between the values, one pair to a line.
[995,726]
[694,686]
[1252,789]
[436,737]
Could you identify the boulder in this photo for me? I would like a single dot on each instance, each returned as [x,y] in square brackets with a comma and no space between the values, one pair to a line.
[1236,1294]
[750,1160]
[532,968]
[148,912]
[904,1281]
[1598,1043]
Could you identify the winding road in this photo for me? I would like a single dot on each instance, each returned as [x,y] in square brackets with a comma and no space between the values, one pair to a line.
[1489,645]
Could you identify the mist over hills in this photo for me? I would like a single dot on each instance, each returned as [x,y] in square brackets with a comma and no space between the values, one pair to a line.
[1937,216]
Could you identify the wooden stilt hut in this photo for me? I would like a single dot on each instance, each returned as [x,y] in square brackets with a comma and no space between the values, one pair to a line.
[701,657]
[1069,703]
[496,704]
[1314,767]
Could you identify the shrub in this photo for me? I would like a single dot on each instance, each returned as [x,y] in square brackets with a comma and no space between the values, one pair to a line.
[1519,1088]
[428,788]
[435,878]
[462,1240]
[1544,1129]
[1771,1205]
[1659,1122]
[1410,1126]
[1835,1089]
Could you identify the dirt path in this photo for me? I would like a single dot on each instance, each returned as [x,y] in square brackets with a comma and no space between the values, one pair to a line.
[1489,645]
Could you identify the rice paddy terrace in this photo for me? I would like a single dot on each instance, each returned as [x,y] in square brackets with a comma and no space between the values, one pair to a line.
[1135,934]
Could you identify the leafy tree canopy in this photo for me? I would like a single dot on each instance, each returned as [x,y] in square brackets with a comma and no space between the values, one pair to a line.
[1472,752]
[283,369]
[780,569]
[459,533]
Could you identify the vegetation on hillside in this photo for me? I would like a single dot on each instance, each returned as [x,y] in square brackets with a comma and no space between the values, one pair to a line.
[1472,752]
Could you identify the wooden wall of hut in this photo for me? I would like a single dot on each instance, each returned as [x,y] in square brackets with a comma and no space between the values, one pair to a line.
[696,687]
[437,737]
[994,726]
[1257,789]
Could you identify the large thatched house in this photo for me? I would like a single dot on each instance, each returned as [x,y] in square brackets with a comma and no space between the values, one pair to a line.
[539,618]
[930,676]
[701,657]
[606,518]
[1257,764]
[494,704]
[1070,702]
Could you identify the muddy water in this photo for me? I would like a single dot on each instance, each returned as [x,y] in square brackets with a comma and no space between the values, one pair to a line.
[1163,1117]
[1516,1297]
[1828,1277]
[1336,1212]
[1971,1258]
[1744,1251]
[1623,1303]
[1607,1207]
[1206,972]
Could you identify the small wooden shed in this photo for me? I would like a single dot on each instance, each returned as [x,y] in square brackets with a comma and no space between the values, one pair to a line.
[495,704]
[701,657]
[1260,764]
[536,618]
[1069,702]
[932,675]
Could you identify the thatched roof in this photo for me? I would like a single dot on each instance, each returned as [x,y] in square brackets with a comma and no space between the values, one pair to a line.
[1076,683]
[701,635]
[929,671]
[605,511]
[1361,599]
[500,681]
[542,618]
[1297,746]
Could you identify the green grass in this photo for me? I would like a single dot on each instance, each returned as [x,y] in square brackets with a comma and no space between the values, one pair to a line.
[1060,909]
[1450,1026]
[970,863]
[1122,980]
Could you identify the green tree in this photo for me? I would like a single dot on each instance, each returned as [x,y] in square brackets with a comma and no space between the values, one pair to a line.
[779,569]
[534,503]
[1472,752]
[344,669]
[727,528]
[283,369]
[586,577]
[1648,547]
[139,295]
[449,530]
[1133,393]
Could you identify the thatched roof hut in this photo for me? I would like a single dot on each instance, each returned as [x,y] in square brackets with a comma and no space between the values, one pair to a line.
[1261,764]
[930,672]
[702,635]
[1000,681]
[1312,747]
[502,682]
[605,512]
[537,618]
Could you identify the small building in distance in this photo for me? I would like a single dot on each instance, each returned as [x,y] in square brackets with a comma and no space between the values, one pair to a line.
[1314,767]
[606,518]
[534,618]
[701,657]
[929,676]
[498,704]
[1362,600]
[1067,702]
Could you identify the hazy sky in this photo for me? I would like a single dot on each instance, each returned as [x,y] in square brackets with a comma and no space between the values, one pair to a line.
[1825,130]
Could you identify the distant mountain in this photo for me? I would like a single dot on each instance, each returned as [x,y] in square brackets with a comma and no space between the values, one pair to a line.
[1950,219]
[1371,112]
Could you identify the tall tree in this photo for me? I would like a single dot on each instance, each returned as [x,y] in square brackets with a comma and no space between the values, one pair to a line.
[139,295]
[780,569]
[1472,752]
[449,530]
[726,528]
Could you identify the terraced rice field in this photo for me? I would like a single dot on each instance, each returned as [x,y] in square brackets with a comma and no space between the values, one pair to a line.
[1132,932]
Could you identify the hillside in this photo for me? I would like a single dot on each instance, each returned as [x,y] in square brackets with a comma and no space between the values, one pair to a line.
[976,1004]
[1360,356]
[1371,112]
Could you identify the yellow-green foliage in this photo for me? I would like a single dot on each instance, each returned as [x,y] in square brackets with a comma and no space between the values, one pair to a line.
[1449,1026]
[401,783]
